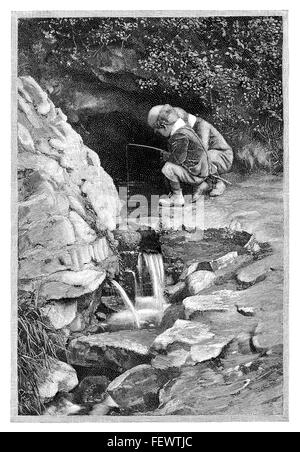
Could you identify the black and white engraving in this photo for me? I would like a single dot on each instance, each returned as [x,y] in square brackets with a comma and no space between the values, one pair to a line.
[151,185]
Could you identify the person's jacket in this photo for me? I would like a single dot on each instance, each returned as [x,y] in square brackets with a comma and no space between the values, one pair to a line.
[187,150]
[210,136]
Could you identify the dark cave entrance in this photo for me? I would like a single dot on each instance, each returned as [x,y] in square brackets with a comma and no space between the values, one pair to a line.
[109,134]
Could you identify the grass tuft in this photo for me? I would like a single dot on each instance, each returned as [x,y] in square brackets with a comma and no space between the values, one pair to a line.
[38,344]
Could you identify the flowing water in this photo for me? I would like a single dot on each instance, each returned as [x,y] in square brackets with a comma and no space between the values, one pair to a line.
[198,390]
[155,266]
[127,302]
[148,310]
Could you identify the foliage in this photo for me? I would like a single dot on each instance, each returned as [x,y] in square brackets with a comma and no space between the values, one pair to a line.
[38,343]
[227,69]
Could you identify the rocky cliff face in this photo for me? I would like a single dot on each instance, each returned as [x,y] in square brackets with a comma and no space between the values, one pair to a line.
[68,205]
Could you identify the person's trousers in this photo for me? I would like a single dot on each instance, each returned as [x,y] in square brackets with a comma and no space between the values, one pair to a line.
[176,173]
[220,163]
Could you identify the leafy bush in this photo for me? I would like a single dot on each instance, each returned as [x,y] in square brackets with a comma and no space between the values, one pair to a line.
[226,69]
[38,343]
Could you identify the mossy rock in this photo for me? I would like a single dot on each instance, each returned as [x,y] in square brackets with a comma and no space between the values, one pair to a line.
[128,240]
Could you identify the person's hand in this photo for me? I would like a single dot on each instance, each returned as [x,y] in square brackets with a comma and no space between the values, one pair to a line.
[165,155]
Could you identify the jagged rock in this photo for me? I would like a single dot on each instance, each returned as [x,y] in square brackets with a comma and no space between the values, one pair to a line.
[83,232]
[128,240]
[134,388]
[66,201]
[78,324]
[171,314]
[200,280]
[174,359]
[60,314]
[103,408]
[175,399]
[210,350]
[228,324]
[246,311]
[119,350]
[62,406]
[202,391]
[176,292]
[183,332]
[222,301]
[70,284]
[188,271]
[188,343]
[60,377]
[92,389]
[219,263]
[38,263]
[229,271]
[258,271]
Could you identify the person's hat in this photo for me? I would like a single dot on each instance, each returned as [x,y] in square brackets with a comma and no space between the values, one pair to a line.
[153,115]
[162,115]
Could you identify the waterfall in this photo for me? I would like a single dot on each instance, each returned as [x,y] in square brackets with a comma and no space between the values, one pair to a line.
[139,291]
[148,309]
[127,302]
[155,267]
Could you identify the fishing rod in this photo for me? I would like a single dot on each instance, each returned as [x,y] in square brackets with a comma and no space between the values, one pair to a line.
[162,151]
[145,146]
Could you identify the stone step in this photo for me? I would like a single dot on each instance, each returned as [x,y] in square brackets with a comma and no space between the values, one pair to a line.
[188,343]
[118,350]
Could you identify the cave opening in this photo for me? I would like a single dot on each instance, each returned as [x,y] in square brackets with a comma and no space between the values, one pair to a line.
[110,133]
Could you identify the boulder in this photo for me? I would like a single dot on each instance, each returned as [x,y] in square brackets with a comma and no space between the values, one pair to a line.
[221,301]
[230,271]
[246,311]
[78,324]
[228,324]
[219,263]
[171,314]
[258,270]
[175,292]
[209,350]
[200,280]
[92,389]
[119,351]
[103,408]
[71,284]
[201,391]
[67,202]
[188,343]
[262,298]
[60,377]
[60,314]
[62,406]
[135,388]
[183,332]
[173,359]
[188,271]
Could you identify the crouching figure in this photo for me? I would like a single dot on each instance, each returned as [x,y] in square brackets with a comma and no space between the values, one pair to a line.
[187,159]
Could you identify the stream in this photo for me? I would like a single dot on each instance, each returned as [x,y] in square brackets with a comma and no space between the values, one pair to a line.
[202,334]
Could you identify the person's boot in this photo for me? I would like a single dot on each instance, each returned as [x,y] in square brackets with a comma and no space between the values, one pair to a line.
[175,198]
[200,190]
[219,189]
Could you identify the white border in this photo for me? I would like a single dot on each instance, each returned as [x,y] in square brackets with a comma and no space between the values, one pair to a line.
[293,425]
